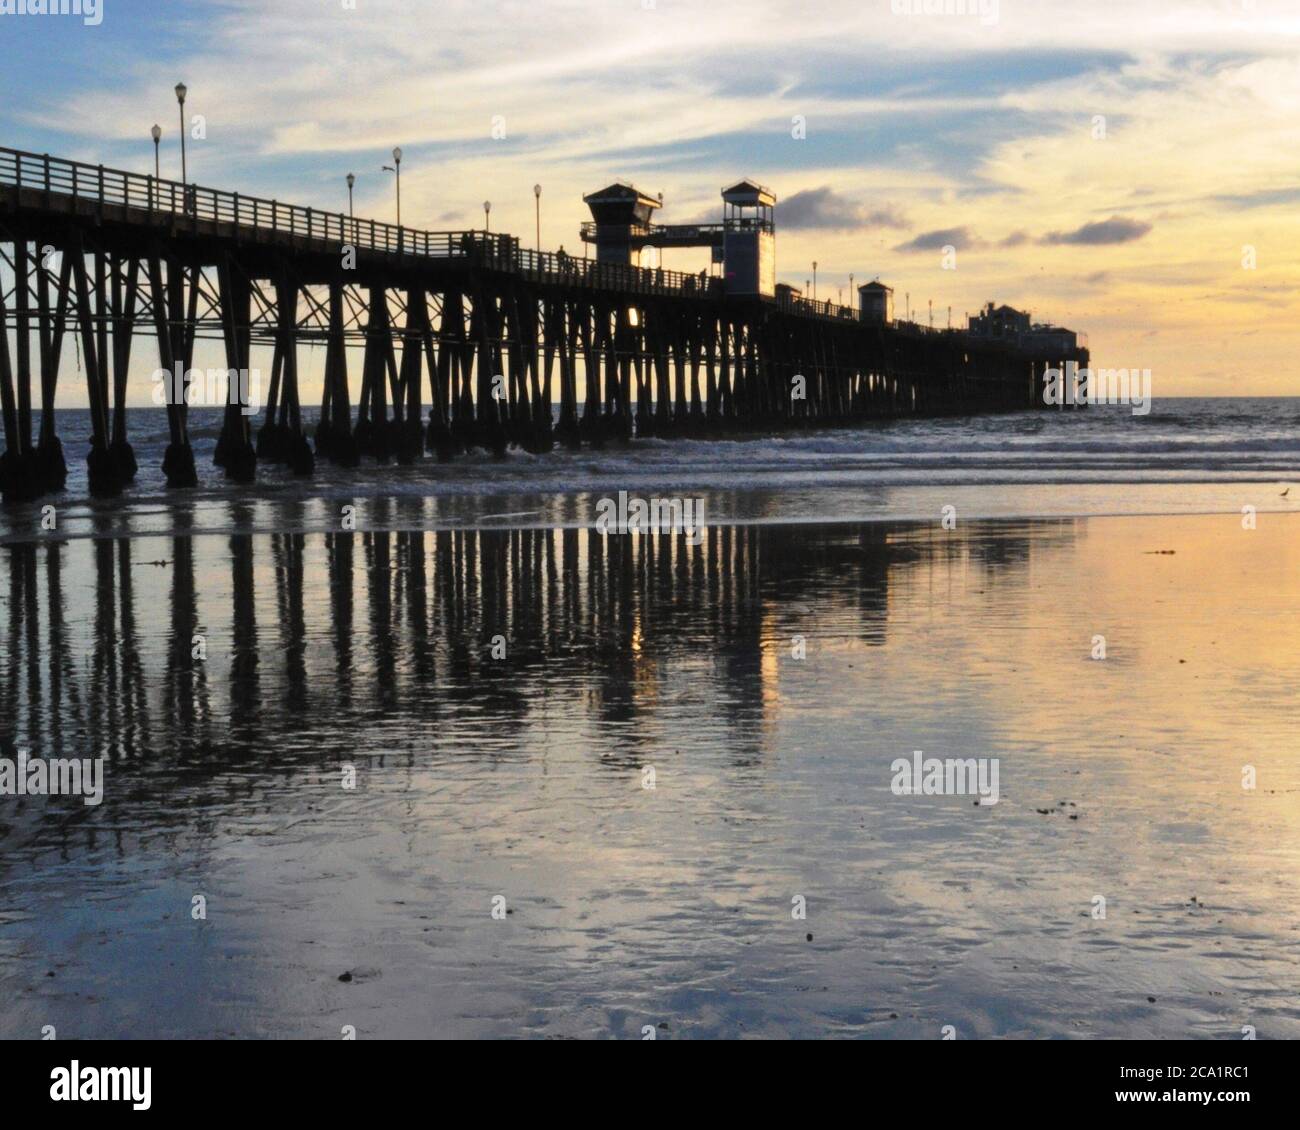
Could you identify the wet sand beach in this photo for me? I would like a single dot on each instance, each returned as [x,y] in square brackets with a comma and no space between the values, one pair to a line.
[501,694]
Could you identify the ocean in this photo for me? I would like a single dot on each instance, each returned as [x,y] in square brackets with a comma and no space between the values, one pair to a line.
[1186,456]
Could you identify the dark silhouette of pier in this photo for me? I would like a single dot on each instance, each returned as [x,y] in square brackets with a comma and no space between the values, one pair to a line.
[467,338]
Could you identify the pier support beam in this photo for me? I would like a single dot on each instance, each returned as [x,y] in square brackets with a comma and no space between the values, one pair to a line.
[168,305]
[102,472]
[123,315]
[235,450]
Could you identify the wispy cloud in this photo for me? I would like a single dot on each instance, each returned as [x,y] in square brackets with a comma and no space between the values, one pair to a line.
[960,238]
[1101,232]
[823,209]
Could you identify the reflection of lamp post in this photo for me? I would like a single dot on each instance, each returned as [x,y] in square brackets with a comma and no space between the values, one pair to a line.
[396,167]
[537,193]
[487,215]
[181,91]
[156,133]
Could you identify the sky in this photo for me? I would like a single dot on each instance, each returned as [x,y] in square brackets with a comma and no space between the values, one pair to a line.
[1128,169]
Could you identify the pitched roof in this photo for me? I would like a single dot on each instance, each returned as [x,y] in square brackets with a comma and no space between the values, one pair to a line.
[620,192]
[748,192]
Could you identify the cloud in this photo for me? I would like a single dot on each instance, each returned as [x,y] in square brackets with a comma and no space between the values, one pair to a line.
[937,240]
[823,209]
[961,238]
[1263,199]
[886,216]
[1115,230]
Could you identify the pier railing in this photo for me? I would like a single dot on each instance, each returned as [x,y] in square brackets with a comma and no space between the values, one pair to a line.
[194,203]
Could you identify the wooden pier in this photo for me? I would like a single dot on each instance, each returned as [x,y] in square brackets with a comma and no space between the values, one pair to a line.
[467,338]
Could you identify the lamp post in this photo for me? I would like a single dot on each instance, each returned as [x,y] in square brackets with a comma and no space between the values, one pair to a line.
[351,181]
[487,215]
[396,168]
[181,91]
[537,194]
[156,134]
[814,280]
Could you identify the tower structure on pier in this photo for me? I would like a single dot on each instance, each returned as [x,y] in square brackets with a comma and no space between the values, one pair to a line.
[621,214]
[876,303]
[749,238]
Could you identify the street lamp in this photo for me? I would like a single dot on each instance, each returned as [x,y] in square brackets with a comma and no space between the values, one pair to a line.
[537,193]
[181,91]
[351,181]
[156,134]
[814,280]
[396,167]
[487,215]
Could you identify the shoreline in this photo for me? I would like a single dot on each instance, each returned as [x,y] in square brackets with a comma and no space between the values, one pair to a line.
[578,510]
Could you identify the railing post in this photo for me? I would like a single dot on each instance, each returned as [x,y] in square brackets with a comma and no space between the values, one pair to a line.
[101,193]
[309,223]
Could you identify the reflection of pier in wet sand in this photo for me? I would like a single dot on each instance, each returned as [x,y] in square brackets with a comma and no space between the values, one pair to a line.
[216,644]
